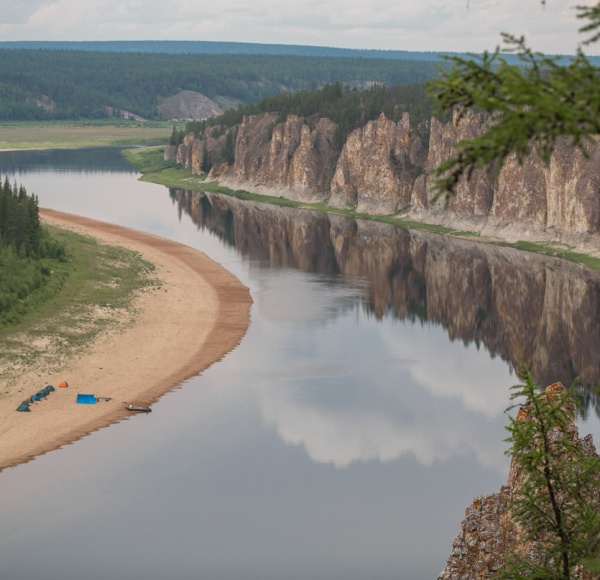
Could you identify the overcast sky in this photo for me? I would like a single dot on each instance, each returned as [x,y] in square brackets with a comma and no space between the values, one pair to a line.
[437,25]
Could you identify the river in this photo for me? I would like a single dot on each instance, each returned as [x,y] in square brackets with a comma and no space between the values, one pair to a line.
[347,433]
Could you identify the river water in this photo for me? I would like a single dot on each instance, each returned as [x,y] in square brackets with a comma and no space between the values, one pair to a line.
[347,433]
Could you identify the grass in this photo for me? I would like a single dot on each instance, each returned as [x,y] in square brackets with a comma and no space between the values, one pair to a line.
[69,134]
[562,252]
[101,284]
[149,160]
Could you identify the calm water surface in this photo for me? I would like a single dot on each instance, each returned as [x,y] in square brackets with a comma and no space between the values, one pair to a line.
[342,439]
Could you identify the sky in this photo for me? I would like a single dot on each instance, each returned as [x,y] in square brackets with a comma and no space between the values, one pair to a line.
[426,25]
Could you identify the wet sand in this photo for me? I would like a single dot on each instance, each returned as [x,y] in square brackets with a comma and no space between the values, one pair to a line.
[199,314]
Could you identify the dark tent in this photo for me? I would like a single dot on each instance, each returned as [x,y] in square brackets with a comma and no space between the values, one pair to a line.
[42,394]
[50,388]
[24,406]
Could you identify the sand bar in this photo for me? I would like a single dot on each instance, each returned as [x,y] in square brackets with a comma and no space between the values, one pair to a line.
[199,314]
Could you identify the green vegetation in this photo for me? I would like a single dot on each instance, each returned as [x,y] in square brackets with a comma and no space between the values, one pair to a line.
[92,288]
[28,256]
[57,134]
[26,283]
[218,47]
[347,107]
[562,252]
[75,84]
[149,159]
[556,501]
[53,282]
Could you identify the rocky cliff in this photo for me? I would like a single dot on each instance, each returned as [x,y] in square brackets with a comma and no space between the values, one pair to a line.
[488,534]
[384,168]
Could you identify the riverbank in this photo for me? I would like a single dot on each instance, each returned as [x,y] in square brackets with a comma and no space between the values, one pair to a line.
[191,319]
[581,249]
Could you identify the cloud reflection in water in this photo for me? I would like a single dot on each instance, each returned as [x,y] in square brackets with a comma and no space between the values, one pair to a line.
[396,389]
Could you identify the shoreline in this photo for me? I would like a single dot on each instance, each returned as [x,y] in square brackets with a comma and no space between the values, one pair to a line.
[576,247]
[199,313]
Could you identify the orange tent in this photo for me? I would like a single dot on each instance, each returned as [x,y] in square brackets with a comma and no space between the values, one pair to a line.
[63,384]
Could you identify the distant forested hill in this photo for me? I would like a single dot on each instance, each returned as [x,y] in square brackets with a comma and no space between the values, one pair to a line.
[208,47]
[52,83]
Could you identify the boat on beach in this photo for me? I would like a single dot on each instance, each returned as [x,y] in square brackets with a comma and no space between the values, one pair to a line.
[137,409]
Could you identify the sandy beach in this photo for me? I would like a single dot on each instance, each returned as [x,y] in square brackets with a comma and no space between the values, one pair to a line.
[199,313]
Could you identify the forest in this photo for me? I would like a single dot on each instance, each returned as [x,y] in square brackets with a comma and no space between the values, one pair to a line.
[219,47]
[349,108]
[40,84]
[27,253]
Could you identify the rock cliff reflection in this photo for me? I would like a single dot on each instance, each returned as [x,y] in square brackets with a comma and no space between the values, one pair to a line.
[523,307]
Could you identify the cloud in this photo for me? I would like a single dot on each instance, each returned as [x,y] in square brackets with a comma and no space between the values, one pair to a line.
[20,12]
[384,24]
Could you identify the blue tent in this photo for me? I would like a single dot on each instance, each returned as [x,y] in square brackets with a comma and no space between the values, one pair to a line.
[86,399]
[24,406]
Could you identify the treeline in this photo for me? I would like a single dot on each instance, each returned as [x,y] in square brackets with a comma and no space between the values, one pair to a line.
[220,47]
[26,252]
[68,84]
[348,107]
[19,220]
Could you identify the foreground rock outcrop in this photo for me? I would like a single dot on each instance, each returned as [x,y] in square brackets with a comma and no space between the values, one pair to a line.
[488,533]
[385,167]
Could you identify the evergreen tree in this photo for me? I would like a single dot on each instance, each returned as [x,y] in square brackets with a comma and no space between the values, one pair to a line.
[176,137]
[532,103]
[228,153]
[19,219]
[556,503]
[206,164]
[26,252]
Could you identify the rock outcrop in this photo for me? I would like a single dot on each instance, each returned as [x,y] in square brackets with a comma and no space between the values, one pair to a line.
[385,168]
[294,159]
[188,106]
[474,197]
[375,172]
[488,533]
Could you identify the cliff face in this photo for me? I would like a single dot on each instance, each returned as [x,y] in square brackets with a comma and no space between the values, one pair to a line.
[376,170]
[474,197]
[488,534]
[294,159]
[382,168]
